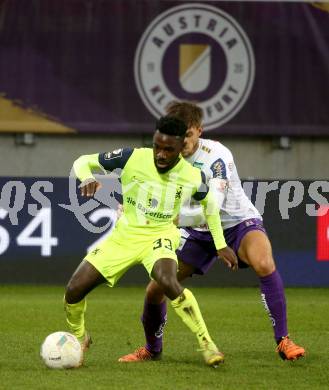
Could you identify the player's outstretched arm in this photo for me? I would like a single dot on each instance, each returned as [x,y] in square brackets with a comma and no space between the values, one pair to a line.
[83,168]
[211,211]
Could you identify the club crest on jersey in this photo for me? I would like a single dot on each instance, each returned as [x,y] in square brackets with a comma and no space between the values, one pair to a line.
[218,169]
[178,194]
[152,203]
[195,52]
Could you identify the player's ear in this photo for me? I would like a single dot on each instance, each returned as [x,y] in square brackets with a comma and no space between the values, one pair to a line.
[200,130]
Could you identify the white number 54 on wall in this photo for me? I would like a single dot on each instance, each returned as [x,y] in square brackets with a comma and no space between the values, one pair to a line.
[27,237]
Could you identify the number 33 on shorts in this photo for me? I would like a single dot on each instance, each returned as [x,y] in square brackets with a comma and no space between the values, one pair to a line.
[162,243]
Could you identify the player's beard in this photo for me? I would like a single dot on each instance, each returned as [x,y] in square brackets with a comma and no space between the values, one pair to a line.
[167,167]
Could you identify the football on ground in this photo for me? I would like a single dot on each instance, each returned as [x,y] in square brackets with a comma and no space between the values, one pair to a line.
[61,350]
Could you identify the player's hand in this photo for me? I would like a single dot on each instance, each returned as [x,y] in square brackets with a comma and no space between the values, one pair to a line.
[89,187]
[229,257]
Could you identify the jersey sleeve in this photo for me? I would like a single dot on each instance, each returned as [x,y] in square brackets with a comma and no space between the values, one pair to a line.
[116,159]
[203,190]
[85,165]
[211,212]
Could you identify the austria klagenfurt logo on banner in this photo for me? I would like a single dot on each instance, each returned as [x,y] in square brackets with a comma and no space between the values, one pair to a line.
[195,52]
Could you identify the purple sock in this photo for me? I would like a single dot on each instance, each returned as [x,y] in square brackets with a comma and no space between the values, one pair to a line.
[273,298]
[154,319]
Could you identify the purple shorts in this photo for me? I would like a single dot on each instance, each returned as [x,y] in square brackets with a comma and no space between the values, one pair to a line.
[198,249]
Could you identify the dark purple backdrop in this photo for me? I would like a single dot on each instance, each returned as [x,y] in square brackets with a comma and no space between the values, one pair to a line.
[73,60]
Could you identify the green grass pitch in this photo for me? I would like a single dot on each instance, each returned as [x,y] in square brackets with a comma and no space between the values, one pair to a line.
[235,317]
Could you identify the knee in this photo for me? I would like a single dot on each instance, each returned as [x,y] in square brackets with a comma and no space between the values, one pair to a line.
[264,266]
[171,287]
[165,281]
[73,292]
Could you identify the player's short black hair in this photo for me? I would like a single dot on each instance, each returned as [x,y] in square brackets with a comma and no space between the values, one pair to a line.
[171,126]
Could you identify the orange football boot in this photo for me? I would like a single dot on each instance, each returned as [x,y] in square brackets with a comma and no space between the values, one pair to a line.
[140,355]
[288,350]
